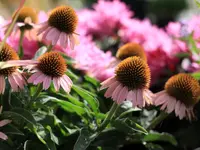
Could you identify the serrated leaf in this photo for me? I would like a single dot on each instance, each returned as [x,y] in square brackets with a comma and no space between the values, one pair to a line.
[155,136]
[40,52]
[91,100]
[22,114]
[84,139]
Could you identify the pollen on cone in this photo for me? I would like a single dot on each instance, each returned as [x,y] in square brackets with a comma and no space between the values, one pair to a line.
[134,73]
[52,64]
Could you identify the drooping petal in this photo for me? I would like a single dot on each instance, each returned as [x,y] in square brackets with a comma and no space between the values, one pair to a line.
[34,76]
[13,84]
[3,136]
[39,79]
[45,33]
[122,95]
[63,40]
[111,89]
[140,100]
[177,108]
[56,82]
[72,41]
[68,80]
[4,122]
[56,37]
[46,82]
[64,85]
[171,105]
[182,111]
[107,83]
[116,92]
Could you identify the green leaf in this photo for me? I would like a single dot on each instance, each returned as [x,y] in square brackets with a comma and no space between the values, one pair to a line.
[71,107]
[40,52]
[72,75]
[196,75]
[92,80]
[183,55]
[52,135]
[197,3]
[128,126]
[20,113]
[192,44]
[10,129]
[84,139]
[155,136]
[151,146]
[91,100]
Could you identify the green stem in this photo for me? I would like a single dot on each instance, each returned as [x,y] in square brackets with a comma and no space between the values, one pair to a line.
[49,48]
[109,117]
[157,120]
[20,49]
[38,90]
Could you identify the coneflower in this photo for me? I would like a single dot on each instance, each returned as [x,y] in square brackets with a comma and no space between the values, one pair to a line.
[13,74]
[26,21]
[60,27]
[128,50]
[181,93]
[131,82]
[51,66]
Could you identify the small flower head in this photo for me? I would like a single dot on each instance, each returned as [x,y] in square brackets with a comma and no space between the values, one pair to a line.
[26,15]
[14,76]
[184,88]
[51,66]
[60,27]
[181,93]
[8,53]
[134,73]
[131,49]
[131,82]
[63,18]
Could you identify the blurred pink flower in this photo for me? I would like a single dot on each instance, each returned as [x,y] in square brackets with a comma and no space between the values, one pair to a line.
[105,19]
[91,59]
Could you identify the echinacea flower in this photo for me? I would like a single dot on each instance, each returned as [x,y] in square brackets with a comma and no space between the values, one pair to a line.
[129,50]
[60,27]
[13,74]
[51,66]
[25,22]
[131,82]
[181,93]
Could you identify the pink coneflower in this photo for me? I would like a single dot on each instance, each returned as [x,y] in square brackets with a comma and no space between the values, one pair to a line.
[181,93]
[60,27]
[51,66]
[25,21]
[13,74]
[131,82]
[4,122]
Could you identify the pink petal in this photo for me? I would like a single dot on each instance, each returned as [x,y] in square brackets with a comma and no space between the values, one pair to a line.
[72,41]
[56,82]
[42,29]
[46,32]
[64,85]
[177,108]
[148,96]
[111,89]
[132,96]
[182,111]
[171,105]
[68,80]
[107,83]
[140,100]
[13,83]
[5,122]
[3,136]
[2,84]
[160,99]
[122,95]
[39,79]
[164,105]
[46,82]
[34,76]
[56,37]
[116,92]
[63,40]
